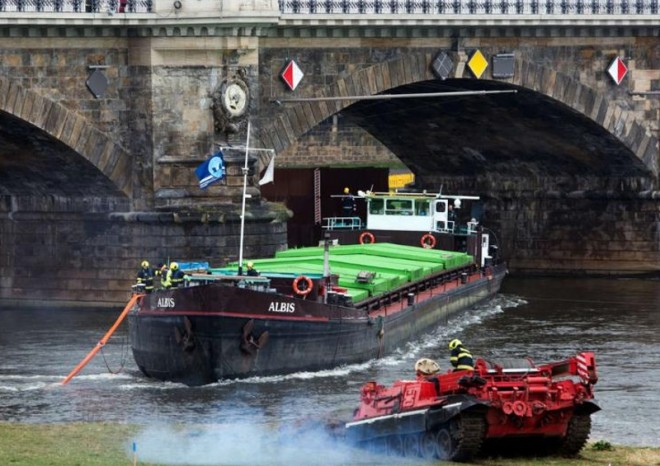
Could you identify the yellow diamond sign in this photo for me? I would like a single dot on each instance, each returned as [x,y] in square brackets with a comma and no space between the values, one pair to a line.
[477,64]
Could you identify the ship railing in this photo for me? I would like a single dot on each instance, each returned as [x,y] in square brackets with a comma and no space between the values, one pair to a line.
[404,292]
[241,281]
[342,223]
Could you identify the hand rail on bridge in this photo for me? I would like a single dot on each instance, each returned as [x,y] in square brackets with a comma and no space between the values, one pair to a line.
[472,7]
[77,6]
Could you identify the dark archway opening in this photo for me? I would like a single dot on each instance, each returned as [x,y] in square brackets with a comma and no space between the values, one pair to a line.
[35,166]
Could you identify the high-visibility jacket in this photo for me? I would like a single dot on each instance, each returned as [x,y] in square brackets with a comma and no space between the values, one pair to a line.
[176,277]
[146,276]
[461,358]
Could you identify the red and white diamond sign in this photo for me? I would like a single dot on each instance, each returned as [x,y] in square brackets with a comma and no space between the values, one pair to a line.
[292,75]
[617,70]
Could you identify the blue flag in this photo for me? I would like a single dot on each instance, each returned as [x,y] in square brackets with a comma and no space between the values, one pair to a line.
[211,171]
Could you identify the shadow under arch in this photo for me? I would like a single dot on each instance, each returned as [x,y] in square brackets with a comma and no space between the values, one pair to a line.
[70,129]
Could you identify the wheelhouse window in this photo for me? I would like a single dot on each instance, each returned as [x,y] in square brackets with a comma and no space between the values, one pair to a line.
[399,207]
[376,206]
[422,208]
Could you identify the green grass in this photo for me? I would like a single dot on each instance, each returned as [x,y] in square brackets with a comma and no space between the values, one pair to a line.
[89,444]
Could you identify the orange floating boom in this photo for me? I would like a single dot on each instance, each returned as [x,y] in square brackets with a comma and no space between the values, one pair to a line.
[103,340]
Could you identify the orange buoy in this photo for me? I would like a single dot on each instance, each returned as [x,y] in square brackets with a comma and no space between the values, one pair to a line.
[367,238]
[428,241]
[299,288]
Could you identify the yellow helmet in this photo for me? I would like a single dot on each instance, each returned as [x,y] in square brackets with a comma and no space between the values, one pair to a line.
[174,266]
[454,343]
[145,264]
[250,265]
[346,190]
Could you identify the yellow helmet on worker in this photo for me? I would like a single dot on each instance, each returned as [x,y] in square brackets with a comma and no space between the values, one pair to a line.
[250,265]
[346,190]
[145,264]
[455,343]
[174,266]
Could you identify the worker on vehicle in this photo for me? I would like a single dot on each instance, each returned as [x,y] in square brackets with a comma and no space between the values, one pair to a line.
[460,357]
[348,207]
[251,271]
[145,276]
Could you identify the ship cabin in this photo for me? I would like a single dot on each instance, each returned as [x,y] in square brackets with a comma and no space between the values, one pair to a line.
[416,212]
[442,221]
[419,212]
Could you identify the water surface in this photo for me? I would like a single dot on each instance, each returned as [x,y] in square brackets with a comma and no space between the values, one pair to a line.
[546,319]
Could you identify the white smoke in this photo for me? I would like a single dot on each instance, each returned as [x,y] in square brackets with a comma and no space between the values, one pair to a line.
[249,444]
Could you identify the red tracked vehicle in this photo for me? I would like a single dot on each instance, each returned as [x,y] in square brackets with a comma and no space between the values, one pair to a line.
[511,407]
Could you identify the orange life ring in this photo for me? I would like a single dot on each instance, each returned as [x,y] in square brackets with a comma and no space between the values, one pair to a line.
[367,235]
[428,241]
[308,285]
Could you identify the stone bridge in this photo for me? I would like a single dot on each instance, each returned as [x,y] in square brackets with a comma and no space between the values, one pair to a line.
[94,177]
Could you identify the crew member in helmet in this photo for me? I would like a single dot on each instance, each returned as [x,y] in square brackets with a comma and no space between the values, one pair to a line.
[161,272]
[145,276]
[251,271]
[348,207]
[460,357]
[177,275]
[174,276]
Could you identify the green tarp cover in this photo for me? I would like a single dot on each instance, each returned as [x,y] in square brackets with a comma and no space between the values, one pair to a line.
[393,265]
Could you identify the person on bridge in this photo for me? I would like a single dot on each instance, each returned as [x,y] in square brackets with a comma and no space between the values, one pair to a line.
[348,207]
[251,271]
[460,357]
[145,276]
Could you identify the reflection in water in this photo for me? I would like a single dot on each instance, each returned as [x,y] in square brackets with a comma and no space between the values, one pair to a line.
[546,319]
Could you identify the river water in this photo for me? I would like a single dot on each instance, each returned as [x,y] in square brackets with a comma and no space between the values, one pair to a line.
[233,422]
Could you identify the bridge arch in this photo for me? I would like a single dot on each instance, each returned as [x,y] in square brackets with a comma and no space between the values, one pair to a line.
[295,119]
[70,129]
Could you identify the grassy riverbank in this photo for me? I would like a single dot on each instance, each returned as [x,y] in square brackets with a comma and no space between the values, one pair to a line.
[91,444]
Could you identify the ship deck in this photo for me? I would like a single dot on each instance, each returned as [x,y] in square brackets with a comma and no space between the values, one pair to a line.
[365,271]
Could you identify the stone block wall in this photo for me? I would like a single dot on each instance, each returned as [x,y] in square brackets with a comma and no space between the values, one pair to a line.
[590,235]
[92,260]
[336,143]
[57,68]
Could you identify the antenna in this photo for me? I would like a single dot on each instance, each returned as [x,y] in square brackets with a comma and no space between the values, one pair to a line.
[281,101]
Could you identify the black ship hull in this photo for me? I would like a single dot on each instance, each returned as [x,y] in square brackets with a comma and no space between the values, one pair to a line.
[201,334]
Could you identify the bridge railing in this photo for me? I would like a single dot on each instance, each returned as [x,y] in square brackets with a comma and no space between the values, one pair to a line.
[77,6]
[472,7]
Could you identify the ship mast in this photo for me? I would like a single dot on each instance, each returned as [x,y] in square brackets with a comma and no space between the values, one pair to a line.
[245,195]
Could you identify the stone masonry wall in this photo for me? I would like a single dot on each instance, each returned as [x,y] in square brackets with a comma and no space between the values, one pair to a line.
[573,234]
[92,260]
[57,68]
[335,143]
